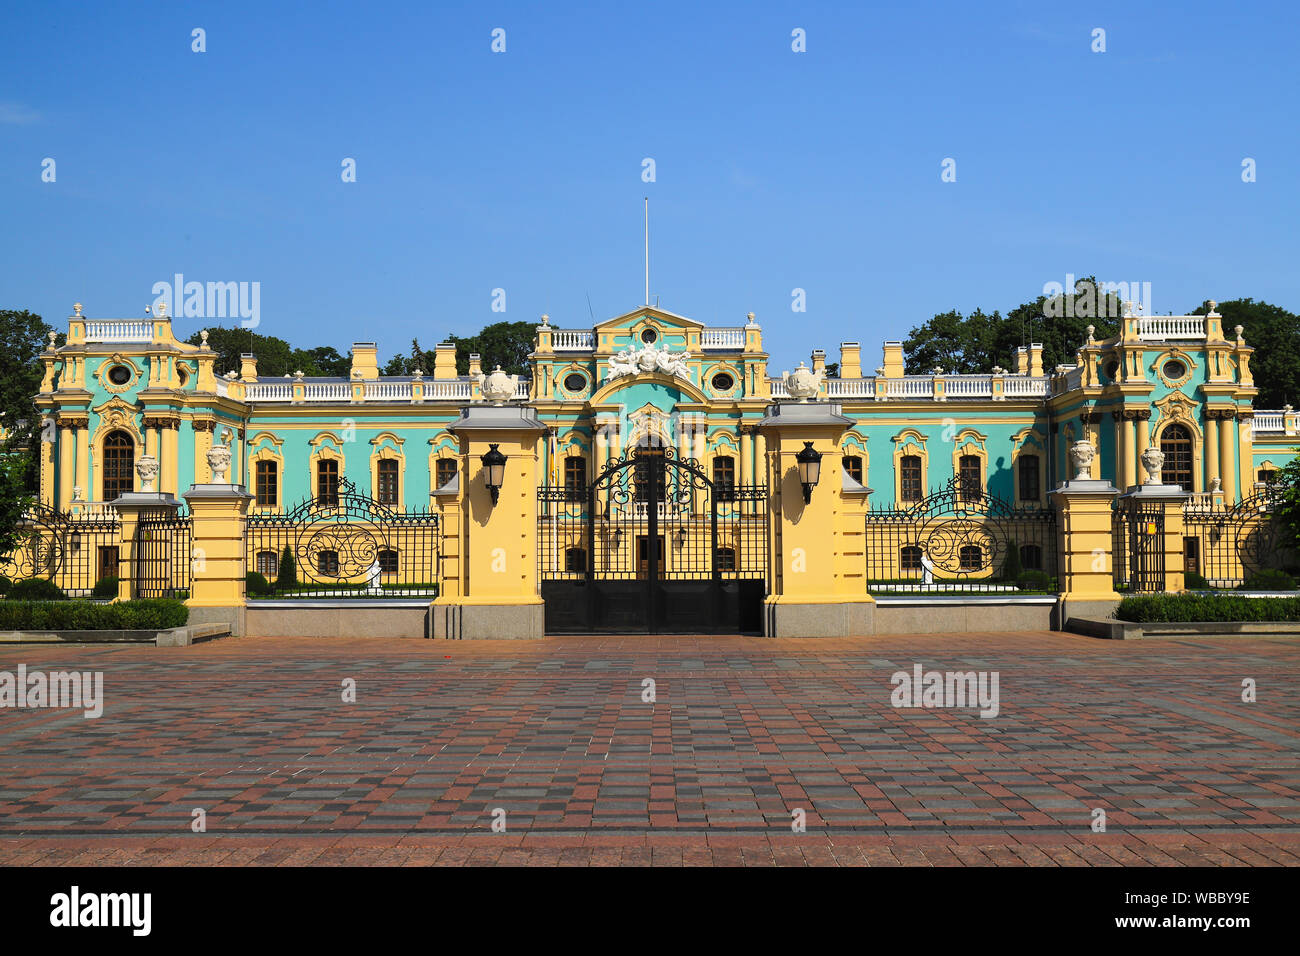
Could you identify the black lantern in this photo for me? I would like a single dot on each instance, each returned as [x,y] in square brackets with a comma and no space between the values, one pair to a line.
[494,471]
[810,469]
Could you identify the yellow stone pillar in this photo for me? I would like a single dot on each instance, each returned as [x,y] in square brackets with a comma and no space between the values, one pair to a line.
[1085,514]
[167,462]
[1212,469]
[497,580]
[1227,460]
[219,554]
[83,461]
[1245,432]
[1129,458]
[746,467]
[1141,423]
[813,590]
[67,446]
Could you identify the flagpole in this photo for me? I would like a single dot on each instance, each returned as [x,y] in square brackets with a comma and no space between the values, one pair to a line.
[647,250]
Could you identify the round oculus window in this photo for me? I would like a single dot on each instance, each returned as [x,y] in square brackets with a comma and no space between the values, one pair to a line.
[119,375]
[649,335]
[575,382]
[722,382]
[1175,369]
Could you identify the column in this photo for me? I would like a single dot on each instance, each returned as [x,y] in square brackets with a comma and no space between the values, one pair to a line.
[217,575]
[67,445]
[745,466]
[167,463]
[1142,424]
[1227,462]
[1130,460]
[1212,469]
[1246,454]
[83,460]
[1084,535]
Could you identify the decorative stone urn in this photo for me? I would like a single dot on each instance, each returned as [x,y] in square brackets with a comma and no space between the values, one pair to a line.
[219,462]
[498,388]
[1082,453]
[1216,485]
[146,466]
[803,383]
[1153,459]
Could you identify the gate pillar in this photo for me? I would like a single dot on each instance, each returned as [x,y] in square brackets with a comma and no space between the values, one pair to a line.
[491,590]
[815,588]
[219,554]
[1085,547]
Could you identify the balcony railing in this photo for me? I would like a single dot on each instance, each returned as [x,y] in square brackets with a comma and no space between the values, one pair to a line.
[1171,327]
[910,386]
[968,386]
[1023,386]
[722,339]
[850,388]
[572,340]
[1270,422]
[119,330]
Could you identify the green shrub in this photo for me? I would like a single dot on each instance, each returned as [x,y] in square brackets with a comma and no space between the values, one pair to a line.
[1012,569]
[1194,582]
[1268,580]
[105,587]
[35,589]
[287,579]
[5,585]
[1211,608]
[257,585]
[145,615]
[1034,581]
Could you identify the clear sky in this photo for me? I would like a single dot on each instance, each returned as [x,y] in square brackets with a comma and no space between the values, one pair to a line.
[775,170]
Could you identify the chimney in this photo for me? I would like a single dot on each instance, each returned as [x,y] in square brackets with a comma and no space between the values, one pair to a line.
[818,359]
[1021,356]
[475,365]
[893,360]
[365,360]
[1035,358]
[248,367]
[444,360]
[850,360]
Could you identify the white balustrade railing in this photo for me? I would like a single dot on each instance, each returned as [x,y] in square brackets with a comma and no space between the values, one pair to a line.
[388,391]
[119,330]
[327,391]
[910,386]
[521,389]
[1023,386]
[850,388]
[269,391]
[968,386]
[1267,422]
[1171,327]
[222,387]
[447,390]
[722,339]
[571,340]
[778,388]
[1071,379]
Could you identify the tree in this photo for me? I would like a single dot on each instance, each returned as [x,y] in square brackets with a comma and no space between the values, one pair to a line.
[507,344]
[287,578]
[973,344]
[323,361]
[23,336]
[407,364]
[1285,488]
[275,357]
[1274,333]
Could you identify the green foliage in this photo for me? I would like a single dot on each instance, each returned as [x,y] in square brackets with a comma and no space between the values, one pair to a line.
[23,337]
[1035,581]
[1012,568]
[287,579]
[105,587]
[5,585]
[1274,334]
[158,613]
[1285,488]
[1195,582]
[1269,579]
[35,589]
[275,356]
[1212,608]
[256,585]
[974,343]
[507,344]
[407,364]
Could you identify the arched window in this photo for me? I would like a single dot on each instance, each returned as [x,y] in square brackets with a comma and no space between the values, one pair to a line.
[971,483]
[444,472]
[266,484]
[387,470]
[1176,444]
[909,468]
[119,465]
[853,467]
[909,557]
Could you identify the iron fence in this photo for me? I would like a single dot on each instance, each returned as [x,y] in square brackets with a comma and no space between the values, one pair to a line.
[1228,548]
[164,557]
[74,551]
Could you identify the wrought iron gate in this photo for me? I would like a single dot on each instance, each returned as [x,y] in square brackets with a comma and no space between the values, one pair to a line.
[1228,547]
[653,545]
[1138,548]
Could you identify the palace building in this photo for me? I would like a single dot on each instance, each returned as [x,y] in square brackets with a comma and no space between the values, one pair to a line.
[650,448]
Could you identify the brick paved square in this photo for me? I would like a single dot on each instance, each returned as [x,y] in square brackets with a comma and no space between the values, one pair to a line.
[552,739]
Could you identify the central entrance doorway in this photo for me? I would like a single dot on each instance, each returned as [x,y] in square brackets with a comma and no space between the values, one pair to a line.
[653,545]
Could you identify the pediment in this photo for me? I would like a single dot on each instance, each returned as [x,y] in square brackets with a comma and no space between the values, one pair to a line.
[660,316]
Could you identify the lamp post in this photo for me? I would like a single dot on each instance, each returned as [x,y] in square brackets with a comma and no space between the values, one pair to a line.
[494,471]
[810,469]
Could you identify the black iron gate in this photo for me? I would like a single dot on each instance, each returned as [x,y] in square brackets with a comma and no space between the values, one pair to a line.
[1138,548]
[653,545]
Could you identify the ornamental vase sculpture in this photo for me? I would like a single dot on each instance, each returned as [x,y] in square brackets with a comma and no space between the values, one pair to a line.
[219,462]
[1082,453]
[498,388]
[1153,459]
[146,466]
[803,383]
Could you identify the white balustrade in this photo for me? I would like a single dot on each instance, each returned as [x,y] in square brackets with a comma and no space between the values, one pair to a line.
[119,330]
[1023,386]
[572,340]
[1171,327]
[269,391]
[447,390]
[850,388]
[910,386]
[722,339]
[1267,422]
[968,386]
[328,391]
[388,391]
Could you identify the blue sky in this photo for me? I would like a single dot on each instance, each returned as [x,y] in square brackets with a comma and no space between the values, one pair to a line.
[521,170]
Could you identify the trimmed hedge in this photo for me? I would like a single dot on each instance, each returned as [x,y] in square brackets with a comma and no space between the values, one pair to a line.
[143,615]
[35,589]
[1208,608]
[106,587]
[256,585]
[1268,580]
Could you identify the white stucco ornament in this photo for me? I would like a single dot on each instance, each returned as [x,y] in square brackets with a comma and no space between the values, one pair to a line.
[1082,453]
[1153,459]
[219,462]
[649,358]
[498,388]
[803,383]
[146,466]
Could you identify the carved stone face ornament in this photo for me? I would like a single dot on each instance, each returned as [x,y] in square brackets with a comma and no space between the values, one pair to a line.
[650,358]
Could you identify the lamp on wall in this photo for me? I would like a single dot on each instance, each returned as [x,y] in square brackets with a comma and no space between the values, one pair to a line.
[494,471]
[810,469]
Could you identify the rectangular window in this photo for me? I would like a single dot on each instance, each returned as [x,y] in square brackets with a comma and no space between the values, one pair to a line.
[971,483]
[267,484]
[575,478]
[853,467]
[388,482]
[445,471]
[909,467]
[724,477]
[327,482]
[1029,486]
